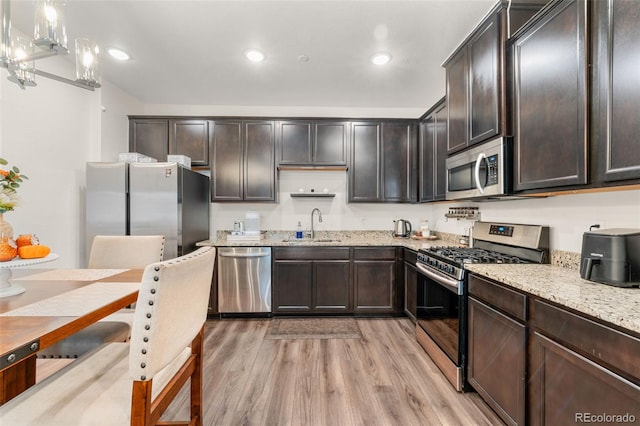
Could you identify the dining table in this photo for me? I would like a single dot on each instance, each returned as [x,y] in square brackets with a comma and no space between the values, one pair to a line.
[55,304]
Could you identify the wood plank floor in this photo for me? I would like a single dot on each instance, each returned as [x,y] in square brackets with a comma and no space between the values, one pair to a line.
[384,378]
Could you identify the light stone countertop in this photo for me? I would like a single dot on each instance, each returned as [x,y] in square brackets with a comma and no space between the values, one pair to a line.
[332,239]
[619,306]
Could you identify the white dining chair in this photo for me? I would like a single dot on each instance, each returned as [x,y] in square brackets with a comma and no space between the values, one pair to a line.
[120,383]
[110,252]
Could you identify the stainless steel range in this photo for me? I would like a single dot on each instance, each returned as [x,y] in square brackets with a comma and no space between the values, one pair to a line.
[442,287]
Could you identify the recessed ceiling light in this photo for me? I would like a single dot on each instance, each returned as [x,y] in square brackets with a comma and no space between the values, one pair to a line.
[254,55]
[120,55]
[381,58]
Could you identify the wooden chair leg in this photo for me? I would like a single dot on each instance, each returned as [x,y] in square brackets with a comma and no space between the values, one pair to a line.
[141,403]
[196,380]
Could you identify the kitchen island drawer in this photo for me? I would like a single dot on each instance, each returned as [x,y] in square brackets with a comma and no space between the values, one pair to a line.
[597,341]
[311,253]
[509,301]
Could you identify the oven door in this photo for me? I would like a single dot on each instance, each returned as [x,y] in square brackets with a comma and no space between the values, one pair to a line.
[438,311]
[441,323]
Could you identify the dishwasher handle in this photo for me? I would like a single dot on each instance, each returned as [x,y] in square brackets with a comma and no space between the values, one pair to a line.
[236,255]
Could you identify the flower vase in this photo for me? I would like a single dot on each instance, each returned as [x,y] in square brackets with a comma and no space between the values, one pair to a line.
[6,231]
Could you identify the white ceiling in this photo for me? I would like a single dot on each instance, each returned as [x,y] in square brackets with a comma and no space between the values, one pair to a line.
[191,52]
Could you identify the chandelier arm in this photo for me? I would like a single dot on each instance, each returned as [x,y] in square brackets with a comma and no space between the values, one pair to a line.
[63,79]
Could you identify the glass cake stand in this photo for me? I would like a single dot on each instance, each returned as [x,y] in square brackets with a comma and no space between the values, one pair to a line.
[9,289]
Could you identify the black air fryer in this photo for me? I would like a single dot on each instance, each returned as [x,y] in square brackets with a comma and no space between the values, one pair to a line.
[611,256]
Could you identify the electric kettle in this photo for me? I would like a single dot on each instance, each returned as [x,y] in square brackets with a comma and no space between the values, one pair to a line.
[402,228]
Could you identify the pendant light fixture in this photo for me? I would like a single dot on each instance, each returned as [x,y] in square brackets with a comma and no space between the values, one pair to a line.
[18,53]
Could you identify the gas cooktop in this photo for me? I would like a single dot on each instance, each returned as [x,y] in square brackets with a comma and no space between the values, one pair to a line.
[472,255]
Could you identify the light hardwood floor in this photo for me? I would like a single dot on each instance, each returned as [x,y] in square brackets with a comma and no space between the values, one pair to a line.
[384,378]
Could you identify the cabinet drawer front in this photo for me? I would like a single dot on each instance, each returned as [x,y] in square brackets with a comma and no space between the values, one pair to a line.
[374,253]
[594,340]
[311,253]
[509,301]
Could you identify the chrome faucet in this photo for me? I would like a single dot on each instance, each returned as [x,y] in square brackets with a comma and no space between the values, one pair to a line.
[312,233]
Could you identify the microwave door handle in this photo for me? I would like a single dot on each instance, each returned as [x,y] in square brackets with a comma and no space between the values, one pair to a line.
[481,158]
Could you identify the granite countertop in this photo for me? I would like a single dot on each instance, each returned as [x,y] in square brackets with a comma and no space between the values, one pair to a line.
[332,239]
[619,306]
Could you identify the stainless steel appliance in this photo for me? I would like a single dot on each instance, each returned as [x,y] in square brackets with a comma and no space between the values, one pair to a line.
[483,171]
[148,199]
[402,228]
[611,256]
[244,279]
[442,287]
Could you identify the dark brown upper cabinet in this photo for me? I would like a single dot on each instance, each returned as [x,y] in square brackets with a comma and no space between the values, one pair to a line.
[159,137]
[383,166]
[190,138]
[616,119]
[312,143]
[432,152]
[243,161]
[150,137]
[475,78]
[550,98]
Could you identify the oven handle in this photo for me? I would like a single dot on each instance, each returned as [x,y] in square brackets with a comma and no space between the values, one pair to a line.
[481,158]
[449,282]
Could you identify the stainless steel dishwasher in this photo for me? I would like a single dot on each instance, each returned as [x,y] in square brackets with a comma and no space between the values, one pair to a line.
[244,279]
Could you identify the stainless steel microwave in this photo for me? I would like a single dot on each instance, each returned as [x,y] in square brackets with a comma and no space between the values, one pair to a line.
[483,171]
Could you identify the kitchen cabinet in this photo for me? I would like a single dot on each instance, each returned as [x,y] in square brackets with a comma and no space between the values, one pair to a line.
[313,143]
[538,363]
[550,98]
[158,138]
[311,280]
[599,366]
[497,348]
[374,275]
[475,78]
[616,90]
[432,149]
[150,137]
[383,166]
[410,284]
[191,138]
[243,161]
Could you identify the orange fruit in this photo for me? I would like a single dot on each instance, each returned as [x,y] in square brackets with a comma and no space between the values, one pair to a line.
[8,250]
[24,240]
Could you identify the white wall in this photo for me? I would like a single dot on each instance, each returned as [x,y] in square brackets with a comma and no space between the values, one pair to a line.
[50,132]
[568,216]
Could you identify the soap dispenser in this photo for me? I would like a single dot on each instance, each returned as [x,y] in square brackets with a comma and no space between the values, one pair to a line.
[299,231]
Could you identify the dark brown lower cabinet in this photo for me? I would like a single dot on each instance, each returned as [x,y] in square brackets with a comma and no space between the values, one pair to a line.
[410,284]
[567,388]
[311,280]
[374,274]
[497,360]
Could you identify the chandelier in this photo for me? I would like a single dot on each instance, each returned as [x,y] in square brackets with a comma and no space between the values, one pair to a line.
[18,52]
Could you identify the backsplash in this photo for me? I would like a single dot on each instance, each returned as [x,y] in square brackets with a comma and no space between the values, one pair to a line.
[568,216]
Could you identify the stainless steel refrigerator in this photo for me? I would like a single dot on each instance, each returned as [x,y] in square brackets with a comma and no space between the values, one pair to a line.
[148,199]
